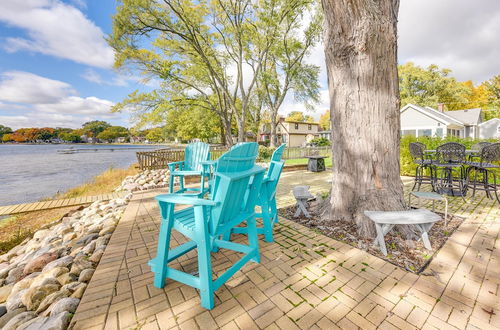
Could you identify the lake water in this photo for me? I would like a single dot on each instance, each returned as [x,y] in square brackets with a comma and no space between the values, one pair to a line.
[31,172]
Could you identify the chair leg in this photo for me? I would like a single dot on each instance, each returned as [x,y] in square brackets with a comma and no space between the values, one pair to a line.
[416,178]
[253,239]
[495,187]
[167,211]
[274,210]
[171,184]
[267,221]
[204,261]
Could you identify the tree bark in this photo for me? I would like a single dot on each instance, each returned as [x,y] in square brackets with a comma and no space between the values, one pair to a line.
[361,60]
[273,141]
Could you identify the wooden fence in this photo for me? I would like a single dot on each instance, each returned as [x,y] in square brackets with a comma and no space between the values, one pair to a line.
[158,159]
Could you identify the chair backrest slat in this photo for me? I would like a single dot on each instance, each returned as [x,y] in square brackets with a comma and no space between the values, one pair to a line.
[450,152]
[417,151]
[278,153]
[234,171]
[490,153]
[194,154]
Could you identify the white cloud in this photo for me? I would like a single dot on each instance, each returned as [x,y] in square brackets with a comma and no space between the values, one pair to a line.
[459,35]
[39,101]
[57,29]
[78,105]
[25,87]
[93,76]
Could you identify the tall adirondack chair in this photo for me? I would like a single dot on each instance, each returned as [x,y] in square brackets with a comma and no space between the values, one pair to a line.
[194,154]
[236,188]
[267,197]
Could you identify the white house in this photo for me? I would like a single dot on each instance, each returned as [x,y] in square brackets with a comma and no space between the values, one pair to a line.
[490,129]
[426,121]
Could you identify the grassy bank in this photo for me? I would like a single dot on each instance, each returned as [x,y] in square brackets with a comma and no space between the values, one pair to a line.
[17,228]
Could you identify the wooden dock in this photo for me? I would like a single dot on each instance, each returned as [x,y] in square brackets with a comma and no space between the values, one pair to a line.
[56,203]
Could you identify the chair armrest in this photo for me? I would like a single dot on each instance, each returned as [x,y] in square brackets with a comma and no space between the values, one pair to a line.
[173,165]
[185,200]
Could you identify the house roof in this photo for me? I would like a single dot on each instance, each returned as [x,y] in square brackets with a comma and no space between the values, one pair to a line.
[467,116]
[489,121]
[439,116]
[300,122]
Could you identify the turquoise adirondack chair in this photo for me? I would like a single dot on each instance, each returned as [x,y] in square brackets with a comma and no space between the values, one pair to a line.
[236,187]
[267,197]
[194,154]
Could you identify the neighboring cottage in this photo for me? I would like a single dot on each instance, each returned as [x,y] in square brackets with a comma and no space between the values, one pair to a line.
[293,133]
[490,129]
[426,121]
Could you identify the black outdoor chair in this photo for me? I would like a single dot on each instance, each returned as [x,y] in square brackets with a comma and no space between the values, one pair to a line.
[478,147]
[487,165]
[450,169]
[417,151]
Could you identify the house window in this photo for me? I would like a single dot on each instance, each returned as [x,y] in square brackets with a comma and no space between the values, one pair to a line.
[309,126]
[284,138]
[411,132]
[439,132]
[296,125]
[424,132]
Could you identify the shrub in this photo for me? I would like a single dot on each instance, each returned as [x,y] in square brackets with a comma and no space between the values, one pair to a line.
[320,142]
[265,153]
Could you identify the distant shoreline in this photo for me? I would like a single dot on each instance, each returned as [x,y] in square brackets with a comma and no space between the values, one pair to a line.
[84,143]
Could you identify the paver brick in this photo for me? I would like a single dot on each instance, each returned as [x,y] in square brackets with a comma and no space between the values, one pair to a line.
[342,287]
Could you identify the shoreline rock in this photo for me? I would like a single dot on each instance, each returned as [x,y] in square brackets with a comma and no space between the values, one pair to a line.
[43,279]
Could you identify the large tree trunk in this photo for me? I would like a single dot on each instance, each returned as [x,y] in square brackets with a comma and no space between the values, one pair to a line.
[273,141]
[361,59]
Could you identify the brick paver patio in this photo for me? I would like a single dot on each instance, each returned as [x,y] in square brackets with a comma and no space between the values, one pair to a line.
[304,281]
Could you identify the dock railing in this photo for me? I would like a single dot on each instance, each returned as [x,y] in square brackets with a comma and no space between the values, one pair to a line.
[158,159]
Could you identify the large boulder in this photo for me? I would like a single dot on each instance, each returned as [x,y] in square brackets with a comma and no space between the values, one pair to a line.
[34,296]
[37,264]
[15,300]
[61,262]
[33,324]
[86,275]
[57,322]
[5,292]
[14,275]
[49,300]
[65,304]
[18,320]
[80,264]
[9,315]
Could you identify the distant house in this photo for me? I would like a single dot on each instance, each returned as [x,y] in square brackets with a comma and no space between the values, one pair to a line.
[326,134]
[426,121]
[121,139]
[490,129]
[293,133]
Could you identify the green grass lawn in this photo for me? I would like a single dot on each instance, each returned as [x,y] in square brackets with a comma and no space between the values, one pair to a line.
[303,161]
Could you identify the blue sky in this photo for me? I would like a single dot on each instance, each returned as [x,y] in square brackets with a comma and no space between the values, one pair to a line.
[55,67]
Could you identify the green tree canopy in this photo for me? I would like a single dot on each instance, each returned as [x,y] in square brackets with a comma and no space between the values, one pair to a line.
[113,132]
[431,86]
[93,128]
[299,116]
[70,137]
[324,120]
[4,130]
[206,54]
